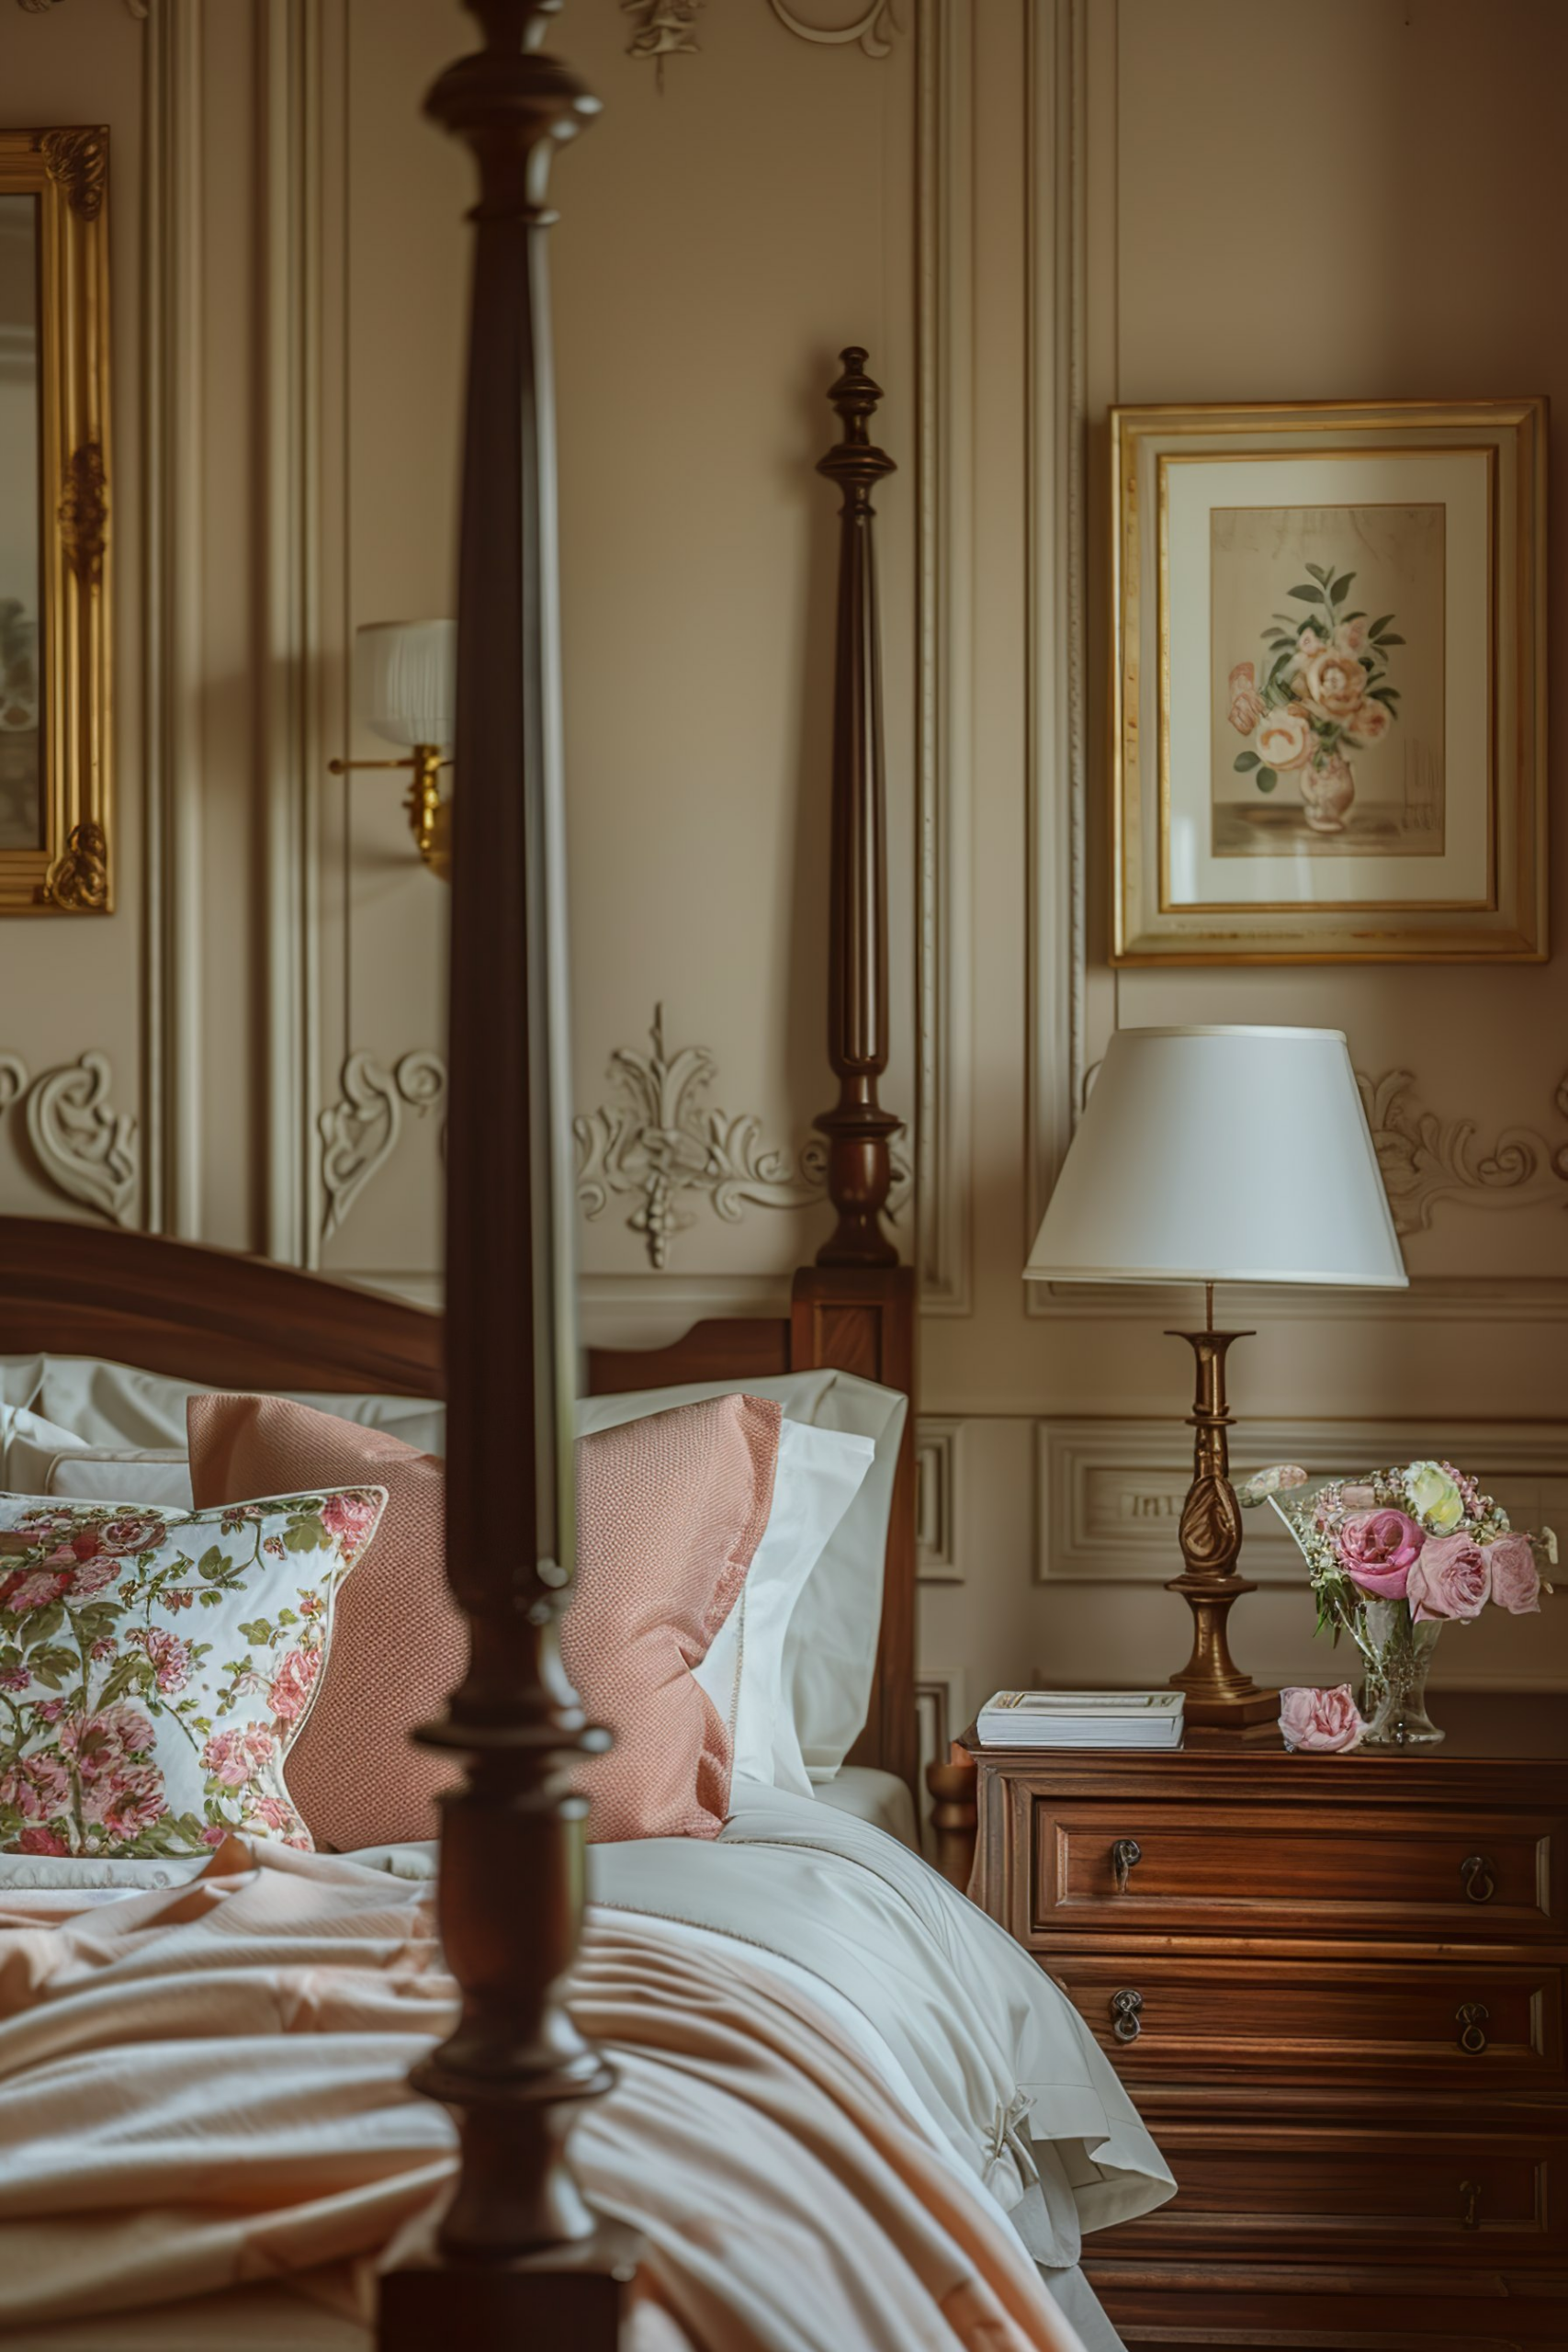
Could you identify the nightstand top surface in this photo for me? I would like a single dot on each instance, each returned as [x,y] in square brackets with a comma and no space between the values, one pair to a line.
[1481,1726]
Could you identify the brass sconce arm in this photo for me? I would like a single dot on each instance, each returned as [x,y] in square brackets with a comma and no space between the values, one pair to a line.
[429,817]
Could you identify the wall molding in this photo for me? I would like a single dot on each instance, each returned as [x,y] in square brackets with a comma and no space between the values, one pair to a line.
[172,618]
[944,526]
[936,1501]
[82,1147]
[662,29]
[873,30]
[659,1144]
[1056,409]
[296,156]
[1108,1492]
[1426,1159]
[359,1133]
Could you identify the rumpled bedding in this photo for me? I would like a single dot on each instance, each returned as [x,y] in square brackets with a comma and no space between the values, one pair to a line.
[821,2116]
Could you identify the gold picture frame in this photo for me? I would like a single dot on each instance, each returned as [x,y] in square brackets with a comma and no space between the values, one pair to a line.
[1328,683]
[55,537]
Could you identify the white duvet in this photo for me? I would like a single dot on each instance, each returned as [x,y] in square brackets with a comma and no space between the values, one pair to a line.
[988,2062]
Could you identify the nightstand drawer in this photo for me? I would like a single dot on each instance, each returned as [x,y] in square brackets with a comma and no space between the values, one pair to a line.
[1479,2023]
[1286,2192]
[1319,1870]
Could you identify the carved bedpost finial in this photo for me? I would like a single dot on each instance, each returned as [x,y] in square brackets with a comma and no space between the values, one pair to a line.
[858,1130]
[521,2259]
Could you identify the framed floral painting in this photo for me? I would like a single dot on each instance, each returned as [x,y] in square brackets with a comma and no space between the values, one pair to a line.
[1328,717]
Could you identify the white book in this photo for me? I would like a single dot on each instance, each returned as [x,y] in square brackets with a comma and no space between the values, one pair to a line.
[1082,1719]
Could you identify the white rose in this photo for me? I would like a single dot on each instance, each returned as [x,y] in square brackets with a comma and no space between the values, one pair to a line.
[1285,740]
[1434,1497]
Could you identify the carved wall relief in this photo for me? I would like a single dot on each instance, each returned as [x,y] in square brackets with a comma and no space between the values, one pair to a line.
[874,28]
[82,1145]
[1426,1159]
[662,29]
[660,1141]
[360,1132]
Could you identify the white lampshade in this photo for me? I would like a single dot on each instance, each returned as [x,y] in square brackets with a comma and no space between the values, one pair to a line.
[1222,1154]
[405,674]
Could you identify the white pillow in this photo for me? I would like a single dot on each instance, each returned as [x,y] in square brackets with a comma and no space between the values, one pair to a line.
[819,1474]
[118,1406]
[36,1458]
[831,1649]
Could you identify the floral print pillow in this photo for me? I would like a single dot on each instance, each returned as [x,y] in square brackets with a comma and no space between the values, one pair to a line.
[156,1666]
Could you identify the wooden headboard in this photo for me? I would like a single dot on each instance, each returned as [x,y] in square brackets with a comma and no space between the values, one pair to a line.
[213,1315]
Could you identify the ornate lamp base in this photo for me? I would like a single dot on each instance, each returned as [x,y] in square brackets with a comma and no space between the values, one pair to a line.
[1221,1698]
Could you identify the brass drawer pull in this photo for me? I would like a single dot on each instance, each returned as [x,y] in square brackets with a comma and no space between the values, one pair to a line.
[1480,1882]
[1124,2018]
[1124,1854]
[1470,2018]
[1471,2192]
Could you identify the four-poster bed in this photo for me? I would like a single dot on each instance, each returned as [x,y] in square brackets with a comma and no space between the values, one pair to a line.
[869,2001]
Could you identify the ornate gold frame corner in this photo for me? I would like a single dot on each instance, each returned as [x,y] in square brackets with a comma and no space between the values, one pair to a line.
[71,872]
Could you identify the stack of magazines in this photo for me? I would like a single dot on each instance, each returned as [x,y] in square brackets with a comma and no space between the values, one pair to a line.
[1082,1719]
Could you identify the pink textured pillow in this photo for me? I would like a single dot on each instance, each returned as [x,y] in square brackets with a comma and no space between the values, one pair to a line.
[399,1645]
[670,1511]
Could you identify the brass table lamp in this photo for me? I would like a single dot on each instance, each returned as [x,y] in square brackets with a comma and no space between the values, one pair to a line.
[1220,1155]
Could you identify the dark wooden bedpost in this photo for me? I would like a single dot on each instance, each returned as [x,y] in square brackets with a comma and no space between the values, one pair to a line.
[858,1131]
[521,2260]
[855,1309]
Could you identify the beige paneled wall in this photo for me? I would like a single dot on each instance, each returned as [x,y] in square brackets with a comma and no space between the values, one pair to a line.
[70,985]
[725,230]
[270,995]
[1232,237]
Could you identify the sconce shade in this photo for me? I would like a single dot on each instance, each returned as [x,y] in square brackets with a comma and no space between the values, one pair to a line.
[405,676]
[1222,1154]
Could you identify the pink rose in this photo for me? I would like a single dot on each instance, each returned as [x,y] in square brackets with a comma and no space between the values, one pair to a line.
[1450,1579]
[1320,1723]
[215,1833]
[1379,1548]
[293,1683]
[39,1786]
[41,1841]
[350,1518]
[1515,1580]
[168,1657]
[26,1589]
[1334,683]
[1371,723]
[234,1756]
[130,1800]
[132,1534]
[101,1743]
[90,1577]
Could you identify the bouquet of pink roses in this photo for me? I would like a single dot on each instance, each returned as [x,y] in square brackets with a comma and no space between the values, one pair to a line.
[1394,1556]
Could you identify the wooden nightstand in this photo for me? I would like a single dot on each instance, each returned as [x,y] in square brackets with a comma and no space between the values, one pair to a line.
[1336,1989]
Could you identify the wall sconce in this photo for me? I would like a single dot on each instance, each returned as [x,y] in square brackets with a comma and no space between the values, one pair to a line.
[404,682]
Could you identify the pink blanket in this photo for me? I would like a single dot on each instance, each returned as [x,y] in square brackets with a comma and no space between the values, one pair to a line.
[202,2095]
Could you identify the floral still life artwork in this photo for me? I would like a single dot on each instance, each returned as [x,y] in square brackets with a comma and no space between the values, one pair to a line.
[1328,635]
[156,1667]
[1393,1558]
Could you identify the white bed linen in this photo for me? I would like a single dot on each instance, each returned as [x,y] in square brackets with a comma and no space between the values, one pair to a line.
[868,1794]
[990,2061]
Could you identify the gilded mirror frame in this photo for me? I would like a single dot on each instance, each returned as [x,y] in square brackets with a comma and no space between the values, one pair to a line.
[69,871]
